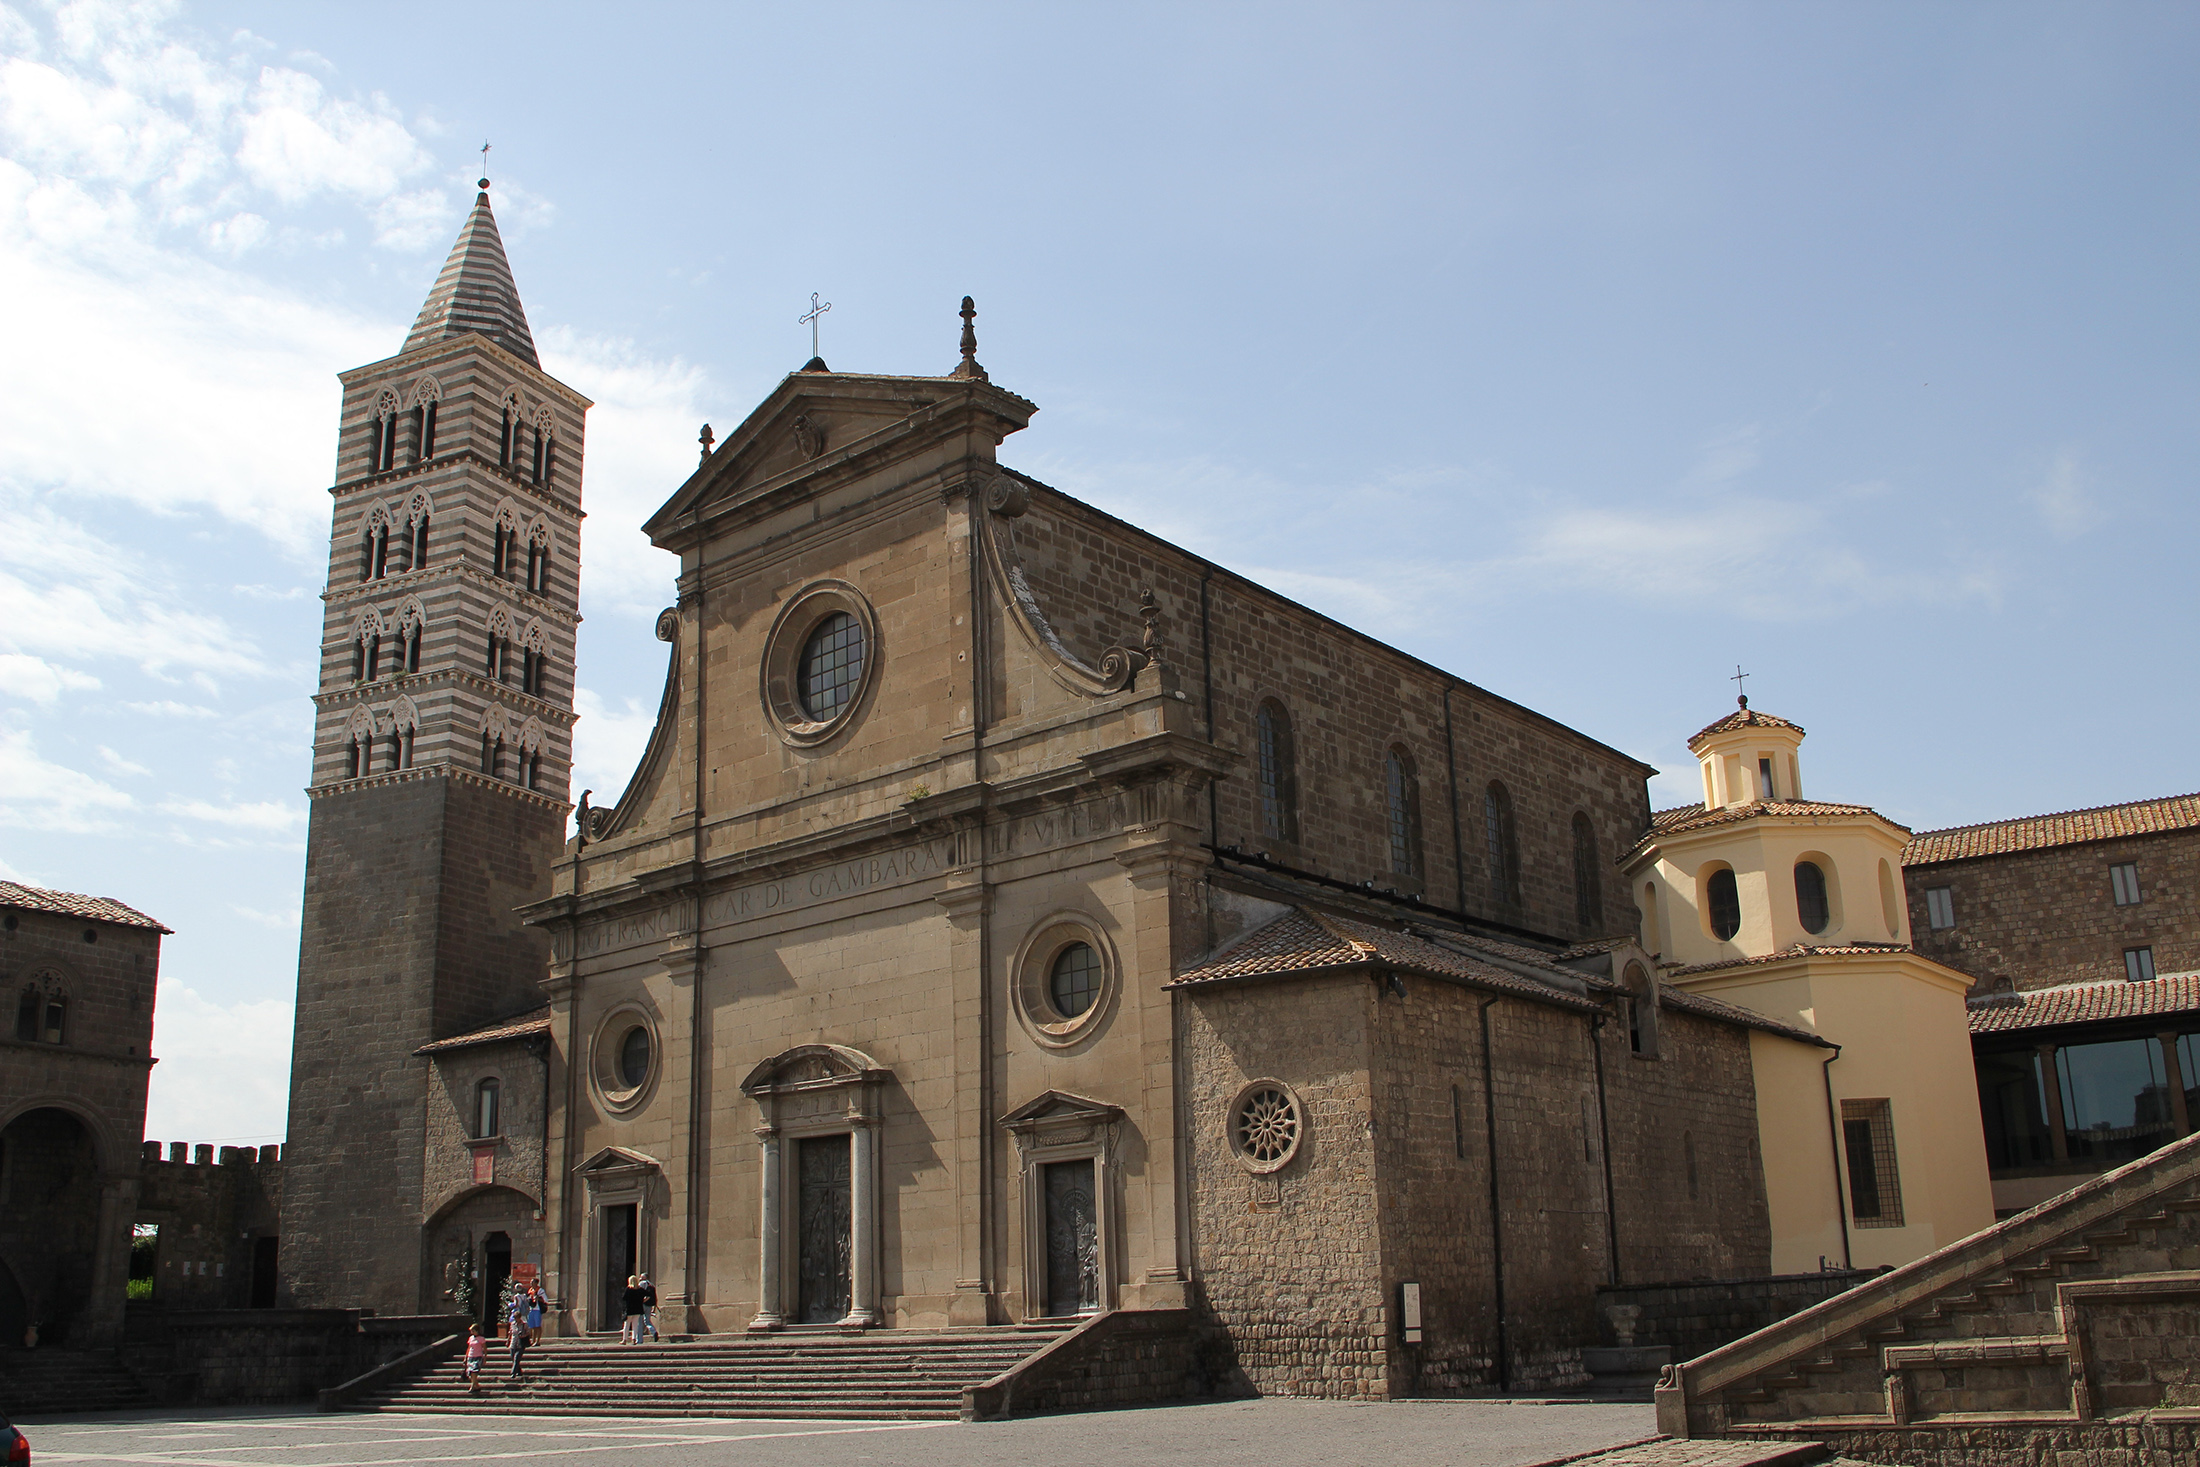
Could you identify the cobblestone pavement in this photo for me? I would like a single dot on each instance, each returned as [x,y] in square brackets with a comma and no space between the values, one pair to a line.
[1666,1453]
[1266,1433]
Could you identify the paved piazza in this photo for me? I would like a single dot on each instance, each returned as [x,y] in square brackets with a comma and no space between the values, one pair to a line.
[1266,1433]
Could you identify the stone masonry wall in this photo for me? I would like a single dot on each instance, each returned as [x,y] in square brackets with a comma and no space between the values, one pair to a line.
[1289,1261]
[211,1216]
[1350,700]
[2047,917]
[1696,1315]
[1688,1180]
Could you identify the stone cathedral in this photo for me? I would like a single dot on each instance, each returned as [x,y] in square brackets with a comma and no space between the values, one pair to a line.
[1012,916]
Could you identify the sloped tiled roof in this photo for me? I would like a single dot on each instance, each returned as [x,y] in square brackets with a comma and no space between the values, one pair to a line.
[475,292]
[1705,1006]
[2081,1003]
[1742,717]
[1696,817]
[2063,828]
[1305,941]
[1795,950]
[536,1021]
[70,904]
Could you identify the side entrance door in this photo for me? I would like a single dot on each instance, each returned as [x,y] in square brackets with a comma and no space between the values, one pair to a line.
[1073,1239]
[618,1263]
[822,1228]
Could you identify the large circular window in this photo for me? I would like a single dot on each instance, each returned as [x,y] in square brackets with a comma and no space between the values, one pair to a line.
[820,661]
[1266,1126]
[1064,980]
[623,1057]
[1075,981]
[832,666]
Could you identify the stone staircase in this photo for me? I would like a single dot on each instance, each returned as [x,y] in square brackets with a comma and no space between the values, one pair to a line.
[797,1373]
[2066,1328]
[52,1382]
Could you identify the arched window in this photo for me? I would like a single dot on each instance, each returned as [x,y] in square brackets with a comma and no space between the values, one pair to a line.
[542,444]
[549,459]
[538,558]
[1724,901]
[488,754]
[396,748]
[28,1015]
[366,554]
[1404,798]
[1642,1010]
[420,543]
[412,648]
[1277,770]
[1810,897]
[1503,845]
[501,556]
[424,430]
[534,768]
[1588,877]
[357,762]
[374,655]
[382,438]
[486,1119]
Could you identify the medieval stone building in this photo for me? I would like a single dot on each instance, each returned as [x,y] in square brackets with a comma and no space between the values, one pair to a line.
[78,974]
[1013,916]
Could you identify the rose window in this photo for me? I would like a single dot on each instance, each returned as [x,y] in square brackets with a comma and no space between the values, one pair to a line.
[1266,1128]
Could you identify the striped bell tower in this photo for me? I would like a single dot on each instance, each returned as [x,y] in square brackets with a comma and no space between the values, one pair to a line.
[441,758]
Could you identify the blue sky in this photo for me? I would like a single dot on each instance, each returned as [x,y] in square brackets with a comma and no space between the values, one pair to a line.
[1585,350]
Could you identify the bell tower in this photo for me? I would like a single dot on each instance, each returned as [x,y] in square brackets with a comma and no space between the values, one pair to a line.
[441,758]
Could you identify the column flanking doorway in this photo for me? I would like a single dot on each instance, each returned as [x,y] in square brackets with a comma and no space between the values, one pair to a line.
[822,1228]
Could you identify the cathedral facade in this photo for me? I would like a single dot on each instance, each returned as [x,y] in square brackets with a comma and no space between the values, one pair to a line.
[1013,916]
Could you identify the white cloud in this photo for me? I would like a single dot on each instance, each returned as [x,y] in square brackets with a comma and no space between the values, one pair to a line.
[166,709]
[224,1068]
[608,743]
[262,815]
[641,448]
[36,794]
[116,764]
[2064,497]
[24,676]
[286,921]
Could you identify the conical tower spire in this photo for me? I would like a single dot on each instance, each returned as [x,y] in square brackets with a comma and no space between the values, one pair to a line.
[475,291]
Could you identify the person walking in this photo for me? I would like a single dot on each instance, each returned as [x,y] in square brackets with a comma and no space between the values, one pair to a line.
[515,1328]
[536,1303]
[477,1350]
[649,1310]
[633,1300]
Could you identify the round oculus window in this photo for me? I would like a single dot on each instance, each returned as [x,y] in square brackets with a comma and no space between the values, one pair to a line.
[634,1057]
[1074,983]
[832,666]
[1265,1126]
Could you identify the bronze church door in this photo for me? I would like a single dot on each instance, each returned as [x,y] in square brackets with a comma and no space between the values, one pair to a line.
[823,1228]
[1073,1238]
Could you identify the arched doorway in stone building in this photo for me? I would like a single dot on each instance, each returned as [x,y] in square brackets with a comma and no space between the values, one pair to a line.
[494,1232]
[49,1225]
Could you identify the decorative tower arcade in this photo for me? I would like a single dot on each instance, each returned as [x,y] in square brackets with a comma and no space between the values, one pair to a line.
[441,754]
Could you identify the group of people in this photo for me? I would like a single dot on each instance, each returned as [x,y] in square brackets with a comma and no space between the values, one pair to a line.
[523,1328]
[523,1321]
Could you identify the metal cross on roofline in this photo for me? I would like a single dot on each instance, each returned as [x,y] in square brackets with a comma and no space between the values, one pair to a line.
[485,164]
[1743,687]
[810,319]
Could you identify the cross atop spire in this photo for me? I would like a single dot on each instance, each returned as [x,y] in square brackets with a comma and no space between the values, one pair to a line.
[475,291]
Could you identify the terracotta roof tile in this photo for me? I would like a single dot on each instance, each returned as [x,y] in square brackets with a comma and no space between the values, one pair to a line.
[1742,717]
[2062,828]
[2080,1003]
[1695,817]
[1796,950]
[536,1021]
[69,904]
[1305,941]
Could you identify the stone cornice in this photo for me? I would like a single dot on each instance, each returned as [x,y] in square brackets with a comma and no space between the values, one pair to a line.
[449,348]
[421,772]
[416,683]
[466,457]
[355,591]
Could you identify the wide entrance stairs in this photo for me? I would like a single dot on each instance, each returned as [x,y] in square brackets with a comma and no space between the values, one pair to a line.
[819,1374]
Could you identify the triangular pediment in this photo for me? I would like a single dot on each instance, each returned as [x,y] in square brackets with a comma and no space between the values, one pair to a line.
[1059,1106]
[617,1159]
[817,419]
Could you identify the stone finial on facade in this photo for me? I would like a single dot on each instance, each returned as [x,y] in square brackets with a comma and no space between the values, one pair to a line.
[969,367]
[1153,644]
[706,438]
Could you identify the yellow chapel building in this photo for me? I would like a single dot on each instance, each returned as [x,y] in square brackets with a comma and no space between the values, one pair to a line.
[1795,909]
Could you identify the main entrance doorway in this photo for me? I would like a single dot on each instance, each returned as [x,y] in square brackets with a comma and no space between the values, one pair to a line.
[1073,1238]
[496,1267]
[822,1228]
[618,1263]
